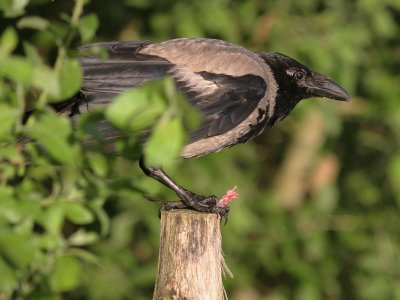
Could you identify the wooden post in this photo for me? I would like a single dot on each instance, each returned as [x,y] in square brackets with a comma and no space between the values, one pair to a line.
[190,261]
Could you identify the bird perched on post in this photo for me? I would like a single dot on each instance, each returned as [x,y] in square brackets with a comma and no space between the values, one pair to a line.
[238,92]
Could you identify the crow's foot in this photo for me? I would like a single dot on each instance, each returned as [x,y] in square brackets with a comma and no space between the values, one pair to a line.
[204,203]
[201,204]
[189,200]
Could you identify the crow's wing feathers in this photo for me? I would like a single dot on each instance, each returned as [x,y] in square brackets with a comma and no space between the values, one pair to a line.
[234,99]
[115,50]
[122,68]
[224,100]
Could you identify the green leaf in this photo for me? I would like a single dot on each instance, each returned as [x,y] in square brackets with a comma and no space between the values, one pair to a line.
[18,211]
[70,79]
[84,255]
[98,163]
[102,217]
[83,238]
[8,41]
[165,143]
[66,274]
[8,116]
[53,131]
[47,80]
[8,210]
[122,110]
[53,218]
[135,109]
[33,22]
[49,242]
[13,8]
[87,27]
[77,213]
[32,53]
[18,248]
[8,279]
[17,69]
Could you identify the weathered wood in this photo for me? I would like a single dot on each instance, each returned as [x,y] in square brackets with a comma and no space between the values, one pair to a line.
[190,259]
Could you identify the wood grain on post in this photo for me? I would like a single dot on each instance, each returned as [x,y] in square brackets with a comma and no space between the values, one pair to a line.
[190,259]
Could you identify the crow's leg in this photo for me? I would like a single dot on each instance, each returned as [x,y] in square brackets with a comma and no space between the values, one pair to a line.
[189,199]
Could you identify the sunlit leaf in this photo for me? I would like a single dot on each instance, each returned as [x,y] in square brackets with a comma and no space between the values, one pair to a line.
[66,274]
[33,22]
[87,27]
[8,41]
[123,109]
[102,217]
[19,249]
[77,213]
[17,69]
[8,279]
[52,132]
[32,54]
[53,218]
[135,109]
[70,79]
[98,163]
[165,143]
[47,80]
[83,237]
[8,116]
[13,8]
[84,255]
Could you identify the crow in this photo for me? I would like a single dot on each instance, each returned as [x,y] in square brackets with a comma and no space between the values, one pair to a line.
[239,93]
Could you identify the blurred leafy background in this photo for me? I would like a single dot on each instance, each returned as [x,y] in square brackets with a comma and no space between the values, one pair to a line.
[318,216]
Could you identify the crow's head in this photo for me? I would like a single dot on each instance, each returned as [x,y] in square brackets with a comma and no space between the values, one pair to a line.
[298,82]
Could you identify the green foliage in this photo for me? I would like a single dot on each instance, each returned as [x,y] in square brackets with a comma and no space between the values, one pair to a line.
[160,150]
[314,220]
[54,188]
[65,275]
[123,111]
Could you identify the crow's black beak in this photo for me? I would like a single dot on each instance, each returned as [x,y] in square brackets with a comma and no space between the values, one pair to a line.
[320,86]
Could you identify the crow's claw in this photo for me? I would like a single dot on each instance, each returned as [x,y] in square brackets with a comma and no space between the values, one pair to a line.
[223,212]
[155,200]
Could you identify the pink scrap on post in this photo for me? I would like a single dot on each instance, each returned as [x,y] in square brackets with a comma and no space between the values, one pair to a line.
[230,194]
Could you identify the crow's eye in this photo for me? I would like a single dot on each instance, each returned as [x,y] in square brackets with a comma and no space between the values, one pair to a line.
[299,75]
